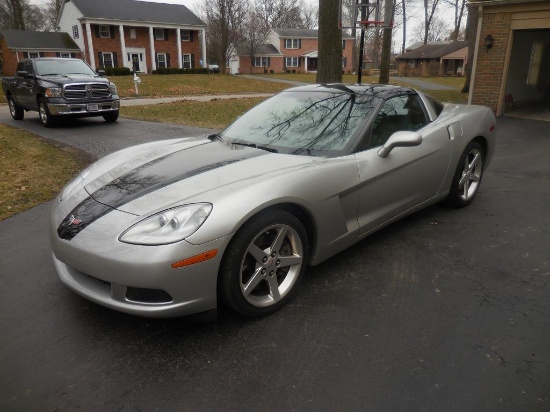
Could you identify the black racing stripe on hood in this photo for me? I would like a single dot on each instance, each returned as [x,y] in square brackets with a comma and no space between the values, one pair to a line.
[150,177]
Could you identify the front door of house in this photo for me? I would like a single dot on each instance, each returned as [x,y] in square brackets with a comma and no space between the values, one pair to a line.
[135,60]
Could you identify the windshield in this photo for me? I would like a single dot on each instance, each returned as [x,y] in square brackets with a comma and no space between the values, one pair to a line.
[297,122]
[62,66]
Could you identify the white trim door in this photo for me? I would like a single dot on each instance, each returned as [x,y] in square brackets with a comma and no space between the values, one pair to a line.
[140,55]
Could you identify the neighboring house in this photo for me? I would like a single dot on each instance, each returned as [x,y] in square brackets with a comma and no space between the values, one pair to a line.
[287,50]
[430,60]
[21,44]
[136,34]
[511,64]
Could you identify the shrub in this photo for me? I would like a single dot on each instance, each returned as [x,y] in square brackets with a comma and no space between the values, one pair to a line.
[271,72]
[175,70]
[116,71]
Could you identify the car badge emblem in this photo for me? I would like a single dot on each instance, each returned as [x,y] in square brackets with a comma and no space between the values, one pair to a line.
[89,90]
[74,221]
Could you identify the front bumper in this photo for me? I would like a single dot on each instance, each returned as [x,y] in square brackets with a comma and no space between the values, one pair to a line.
[135,279]
[83,109]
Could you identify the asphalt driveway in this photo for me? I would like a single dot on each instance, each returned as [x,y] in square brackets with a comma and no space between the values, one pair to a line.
[447,310]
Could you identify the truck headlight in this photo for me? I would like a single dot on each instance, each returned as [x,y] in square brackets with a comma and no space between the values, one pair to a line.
[112,88]
[53,92]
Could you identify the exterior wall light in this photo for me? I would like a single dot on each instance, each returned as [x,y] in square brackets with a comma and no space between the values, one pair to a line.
[489,42]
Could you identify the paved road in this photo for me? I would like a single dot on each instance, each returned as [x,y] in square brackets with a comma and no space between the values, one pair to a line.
[445,311]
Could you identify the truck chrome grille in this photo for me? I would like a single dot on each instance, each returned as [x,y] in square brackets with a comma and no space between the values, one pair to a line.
[87,91]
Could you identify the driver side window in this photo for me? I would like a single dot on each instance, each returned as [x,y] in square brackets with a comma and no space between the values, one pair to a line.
[400,113]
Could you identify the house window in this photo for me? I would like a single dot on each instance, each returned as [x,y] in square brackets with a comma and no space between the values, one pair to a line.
[411,64]
[534,64]
[65,55]
[34,55]
[107,60]
[343,44]
[293,44]
[291,61]
[159,34]
[104,31]
[75,32]
[261,61]
[161,61]
[185,35]
[133,33]
[186,61]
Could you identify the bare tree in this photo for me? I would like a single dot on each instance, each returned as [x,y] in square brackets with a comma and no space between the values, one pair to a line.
[459,8]
[225,22]
[51,10]
[21,15]
[329,68]
[309,15]
[279,13]
[471,30]
[439,31]
[430,7]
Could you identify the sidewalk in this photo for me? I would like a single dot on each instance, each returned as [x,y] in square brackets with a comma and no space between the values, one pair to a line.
[131,101]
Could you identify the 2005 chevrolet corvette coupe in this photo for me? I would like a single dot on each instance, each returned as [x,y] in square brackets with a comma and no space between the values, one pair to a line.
[172,227]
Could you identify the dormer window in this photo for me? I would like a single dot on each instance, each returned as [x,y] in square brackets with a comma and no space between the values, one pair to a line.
[293,43]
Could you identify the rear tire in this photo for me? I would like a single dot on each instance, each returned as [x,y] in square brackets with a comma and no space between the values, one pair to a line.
[263,264]
[47,119]
[467,177]
[111,117]
[16,111]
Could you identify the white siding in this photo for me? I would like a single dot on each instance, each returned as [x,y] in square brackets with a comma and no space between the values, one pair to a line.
[69,18]
[274,39]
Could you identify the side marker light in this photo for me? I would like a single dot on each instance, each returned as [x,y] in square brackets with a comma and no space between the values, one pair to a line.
[196,259]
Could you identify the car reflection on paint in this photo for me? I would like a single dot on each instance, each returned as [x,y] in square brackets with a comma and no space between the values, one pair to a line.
[171,228]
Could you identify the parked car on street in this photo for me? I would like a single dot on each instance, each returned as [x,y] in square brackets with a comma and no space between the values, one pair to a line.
[58,88]
[173,227]
[213,68]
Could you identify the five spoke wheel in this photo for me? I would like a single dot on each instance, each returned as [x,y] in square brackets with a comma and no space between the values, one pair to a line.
[467,177]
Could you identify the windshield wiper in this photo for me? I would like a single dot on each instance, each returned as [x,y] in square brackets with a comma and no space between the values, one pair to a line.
[255,146]
[215,136]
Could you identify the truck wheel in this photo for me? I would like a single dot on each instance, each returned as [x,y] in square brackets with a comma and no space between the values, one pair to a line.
[111,117]
[46,118]
[16,111]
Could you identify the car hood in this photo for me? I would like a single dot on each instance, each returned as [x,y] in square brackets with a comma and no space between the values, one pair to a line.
[68,79]
[172,175]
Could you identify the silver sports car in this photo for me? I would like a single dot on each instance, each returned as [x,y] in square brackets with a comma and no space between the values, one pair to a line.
[173,227]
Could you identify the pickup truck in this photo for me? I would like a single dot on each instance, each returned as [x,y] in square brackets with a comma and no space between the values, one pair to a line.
[58,88]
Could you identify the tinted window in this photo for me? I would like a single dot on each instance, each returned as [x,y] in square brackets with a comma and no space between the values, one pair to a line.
[400,113]
[62,66]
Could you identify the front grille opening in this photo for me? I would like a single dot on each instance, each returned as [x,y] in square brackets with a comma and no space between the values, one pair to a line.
[142,295]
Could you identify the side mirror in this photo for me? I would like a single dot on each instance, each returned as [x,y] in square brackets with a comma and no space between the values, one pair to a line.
[400,139]
[22,73]
[101,73]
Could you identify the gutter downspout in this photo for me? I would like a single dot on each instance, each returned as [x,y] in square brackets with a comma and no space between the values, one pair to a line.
[476,52]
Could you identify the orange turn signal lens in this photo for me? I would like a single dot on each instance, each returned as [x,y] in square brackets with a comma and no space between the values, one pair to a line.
[196,259]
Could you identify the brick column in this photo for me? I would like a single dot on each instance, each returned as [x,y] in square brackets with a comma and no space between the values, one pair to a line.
[91,52]
[152,43]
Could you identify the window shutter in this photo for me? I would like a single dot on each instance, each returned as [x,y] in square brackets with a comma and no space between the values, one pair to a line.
[96,29]
[100,59]
[299,43]
[268,61]
[112,30]
[73,55]
[115,60]
[166,34]
[167,59]
[57,54]
[25,55]
[343,45]
[190,35]
[192,61]
[156,60]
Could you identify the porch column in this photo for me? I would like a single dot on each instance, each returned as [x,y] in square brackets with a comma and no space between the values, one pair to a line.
[306,59]
[91,52]
[178,37]
[152,44]
[204,62]
[123,45]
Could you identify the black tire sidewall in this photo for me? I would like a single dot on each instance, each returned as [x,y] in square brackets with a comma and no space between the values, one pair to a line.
[50,120]
[229,289]
[454,198]
[16,111]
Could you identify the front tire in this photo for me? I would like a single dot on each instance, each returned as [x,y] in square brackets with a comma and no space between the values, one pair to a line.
[467,177]
[263,264]
[47,119]
[111,117]
[16,111]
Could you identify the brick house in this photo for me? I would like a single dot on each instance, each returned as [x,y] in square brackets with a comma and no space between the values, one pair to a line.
[21,44]
[134,34]
[435,59]
[287,50]
[511,65]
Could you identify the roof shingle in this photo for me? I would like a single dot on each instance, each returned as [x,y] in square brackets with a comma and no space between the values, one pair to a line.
[38,40]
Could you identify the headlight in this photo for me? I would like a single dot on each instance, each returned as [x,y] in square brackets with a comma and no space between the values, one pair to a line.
[112,88]
[168,226]
[53,92]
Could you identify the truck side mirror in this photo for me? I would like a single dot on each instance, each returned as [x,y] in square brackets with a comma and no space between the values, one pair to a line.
[22,73]
[101,73]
